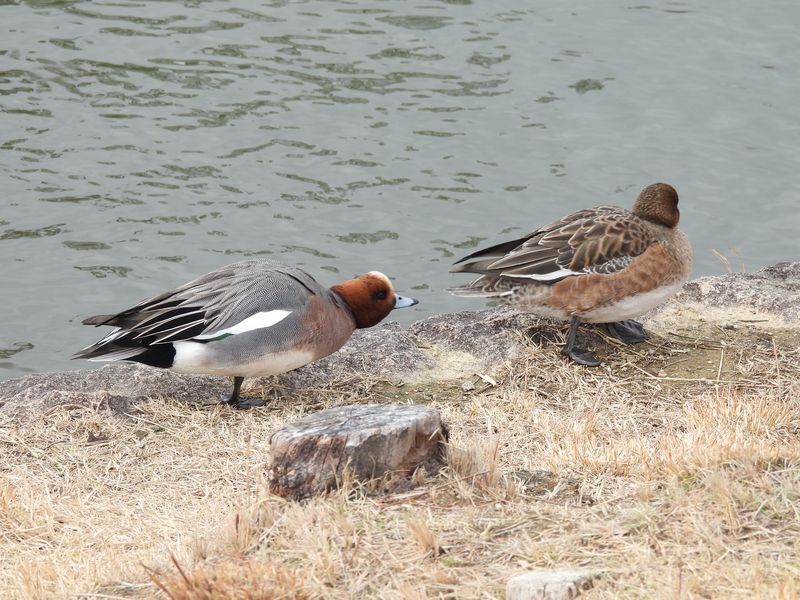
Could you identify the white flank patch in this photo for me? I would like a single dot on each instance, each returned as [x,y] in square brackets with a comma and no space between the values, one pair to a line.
[194,357]
[190,357]
[260,320]
[560,274]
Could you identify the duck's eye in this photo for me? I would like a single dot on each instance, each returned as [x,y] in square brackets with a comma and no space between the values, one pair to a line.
[379,295]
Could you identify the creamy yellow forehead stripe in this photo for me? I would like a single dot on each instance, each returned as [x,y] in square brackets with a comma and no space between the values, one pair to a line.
[382,277]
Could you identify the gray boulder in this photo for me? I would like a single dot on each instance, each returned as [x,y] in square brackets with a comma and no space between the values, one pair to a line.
[443,347]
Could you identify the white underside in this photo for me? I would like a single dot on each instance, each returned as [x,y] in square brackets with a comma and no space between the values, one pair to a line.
[193,357]
[627,308]
[632,306]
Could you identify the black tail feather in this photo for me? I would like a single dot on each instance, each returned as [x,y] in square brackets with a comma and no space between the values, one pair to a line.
[496,251]
[98,320]
[158,355]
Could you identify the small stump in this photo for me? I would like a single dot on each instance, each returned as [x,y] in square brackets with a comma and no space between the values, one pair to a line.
[555,584]
[311,455]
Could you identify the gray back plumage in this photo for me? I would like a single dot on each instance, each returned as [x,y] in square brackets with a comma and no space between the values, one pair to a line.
[209,304]
[250,287]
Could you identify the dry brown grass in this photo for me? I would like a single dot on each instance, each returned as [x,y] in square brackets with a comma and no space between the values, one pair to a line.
[675,472]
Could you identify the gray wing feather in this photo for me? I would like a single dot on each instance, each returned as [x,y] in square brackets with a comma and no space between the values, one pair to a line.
[211,303]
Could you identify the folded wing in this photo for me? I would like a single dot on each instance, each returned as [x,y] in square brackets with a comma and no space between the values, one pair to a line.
[604,239]
[228,301]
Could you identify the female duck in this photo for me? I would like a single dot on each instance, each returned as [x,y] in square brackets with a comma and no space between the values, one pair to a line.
[252,318]
[598,265]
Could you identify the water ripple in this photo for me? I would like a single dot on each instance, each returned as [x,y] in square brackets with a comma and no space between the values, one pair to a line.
[147,143]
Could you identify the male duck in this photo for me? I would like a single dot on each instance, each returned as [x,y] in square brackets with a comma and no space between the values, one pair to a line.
[598,265]
[256,317]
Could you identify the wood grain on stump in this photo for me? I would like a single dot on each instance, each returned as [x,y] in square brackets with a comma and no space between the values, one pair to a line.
[311,455]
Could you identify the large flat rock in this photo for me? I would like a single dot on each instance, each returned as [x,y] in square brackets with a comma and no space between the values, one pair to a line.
[382,352]
[385,351]
[443,347]
[115,387]
[768,298]
[475,340]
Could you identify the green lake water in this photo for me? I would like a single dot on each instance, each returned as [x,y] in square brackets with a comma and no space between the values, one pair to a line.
[145,143]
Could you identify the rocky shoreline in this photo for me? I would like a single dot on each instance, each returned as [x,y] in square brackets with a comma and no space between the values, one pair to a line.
[439,349]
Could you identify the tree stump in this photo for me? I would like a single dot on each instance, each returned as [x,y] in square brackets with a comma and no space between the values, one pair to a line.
[310,456]
[551,584]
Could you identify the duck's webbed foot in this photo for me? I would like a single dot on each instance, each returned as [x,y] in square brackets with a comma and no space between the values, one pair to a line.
[629,331]
[235,401]
[581,356]
[578,355]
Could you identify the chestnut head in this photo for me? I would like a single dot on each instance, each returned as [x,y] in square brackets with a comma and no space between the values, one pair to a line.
[371,297]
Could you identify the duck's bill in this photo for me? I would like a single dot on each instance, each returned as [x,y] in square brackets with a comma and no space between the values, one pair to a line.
[403,301]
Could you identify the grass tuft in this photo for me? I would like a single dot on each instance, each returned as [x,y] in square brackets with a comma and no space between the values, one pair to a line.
[245,580]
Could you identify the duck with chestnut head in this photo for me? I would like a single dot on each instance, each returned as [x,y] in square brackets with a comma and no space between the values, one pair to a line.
[248,319]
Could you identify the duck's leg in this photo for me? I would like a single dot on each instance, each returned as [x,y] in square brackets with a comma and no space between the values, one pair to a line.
[579,355]
[236,402]
[233,400]
[629,331]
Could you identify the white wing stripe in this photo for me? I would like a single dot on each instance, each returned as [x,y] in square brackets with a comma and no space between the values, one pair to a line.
[259,320]
[560,274]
